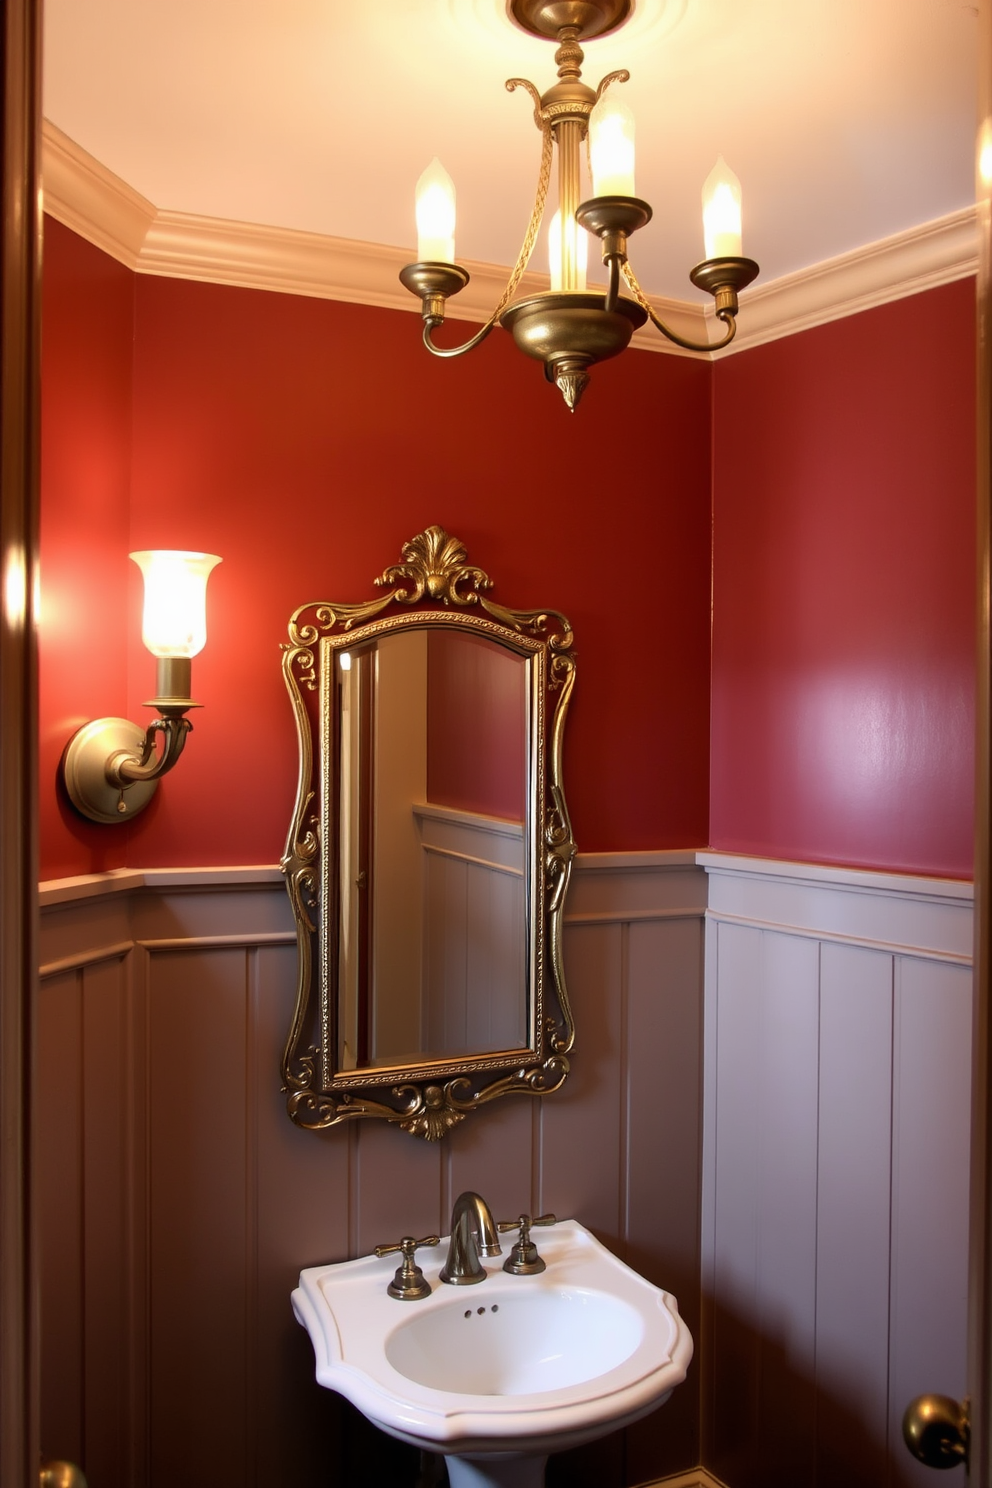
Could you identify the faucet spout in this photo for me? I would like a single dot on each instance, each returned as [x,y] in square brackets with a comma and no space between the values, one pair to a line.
[473,1233]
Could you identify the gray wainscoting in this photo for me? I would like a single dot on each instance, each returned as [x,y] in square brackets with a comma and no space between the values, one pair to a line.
[793,1167]
[178,1202]
[838,1029]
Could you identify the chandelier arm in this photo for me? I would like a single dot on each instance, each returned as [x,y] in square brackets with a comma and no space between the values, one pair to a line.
[511,86]
[620,76]
[727,316]
[613,291]
[456,351]
[523,257]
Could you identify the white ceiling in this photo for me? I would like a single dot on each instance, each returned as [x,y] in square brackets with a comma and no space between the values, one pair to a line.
[846,120]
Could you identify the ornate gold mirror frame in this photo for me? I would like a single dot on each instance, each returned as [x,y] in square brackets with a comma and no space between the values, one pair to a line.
[432,588]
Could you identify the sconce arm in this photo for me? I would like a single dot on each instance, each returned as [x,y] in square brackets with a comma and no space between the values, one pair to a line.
[124,768]
[111,767]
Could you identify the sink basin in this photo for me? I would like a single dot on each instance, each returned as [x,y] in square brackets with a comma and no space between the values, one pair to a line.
[523,1344]
[515,1364]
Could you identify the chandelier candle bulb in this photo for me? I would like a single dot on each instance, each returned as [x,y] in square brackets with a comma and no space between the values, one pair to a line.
[722,213]
[435,215]
[611,147]
[570,245]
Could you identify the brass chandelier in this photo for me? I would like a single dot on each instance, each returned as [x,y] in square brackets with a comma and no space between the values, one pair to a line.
[568,328]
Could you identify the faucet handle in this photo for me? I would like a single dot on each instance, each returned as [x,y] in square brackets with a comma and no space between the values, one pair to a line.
[409,1283]
[523,1259]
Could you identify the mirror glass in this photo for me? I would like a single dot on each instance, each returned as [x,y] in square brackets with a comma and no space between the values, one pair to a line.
[430,848]
[433,828]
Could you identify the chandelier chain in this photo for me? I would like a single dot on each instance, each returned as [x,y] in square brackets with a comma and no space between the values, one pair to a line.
[530,238]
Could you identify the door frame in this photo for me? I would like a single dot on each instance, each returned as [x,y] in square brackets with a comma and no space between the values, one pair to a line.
[20,303]
[980,1270]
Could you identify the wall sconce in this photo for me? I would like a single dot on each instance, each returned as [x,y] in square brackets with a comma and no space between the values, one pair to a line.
[112,766]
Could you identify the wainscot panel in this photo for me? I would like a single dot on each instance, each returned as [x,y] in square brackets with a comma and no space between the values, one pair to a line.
[179,1202]
[835,1168]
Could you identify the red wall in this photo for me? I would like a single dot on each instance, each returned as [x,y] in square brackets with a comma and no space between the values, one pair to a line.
[87,345]
[305,441]
[843,575]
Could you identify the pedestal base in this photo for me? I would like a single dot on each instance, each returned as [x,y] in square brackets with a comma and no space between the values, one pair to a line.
[496,1470]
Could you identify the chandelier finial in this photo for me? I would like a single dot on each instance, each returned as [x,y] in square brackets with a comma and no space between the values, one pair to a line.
[572,384]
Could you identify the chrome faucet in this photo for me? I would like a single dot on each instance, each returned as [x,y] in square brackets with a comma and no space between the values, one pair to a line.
[473,1233]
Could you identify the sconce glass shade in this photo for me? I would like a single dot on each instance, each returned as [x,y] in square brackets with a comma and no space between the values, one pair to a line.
[174,622]
[435,198]
[721,213]
[611,147]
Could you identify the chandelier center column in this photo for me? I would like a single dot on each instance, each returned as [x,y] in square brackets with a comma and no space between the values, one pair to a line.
[569,134]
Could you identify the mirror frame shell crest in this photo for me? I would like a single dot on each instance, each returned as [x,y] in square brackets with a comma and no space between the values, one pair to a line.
[433,584]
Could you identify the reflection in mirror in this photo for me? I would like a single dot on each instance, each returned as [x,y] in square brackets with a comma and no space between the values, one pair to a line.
[433,783]
[430,848]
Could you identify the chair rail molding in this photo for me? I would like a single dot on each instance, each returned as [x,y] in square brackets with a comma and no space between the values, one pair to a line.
[906,914]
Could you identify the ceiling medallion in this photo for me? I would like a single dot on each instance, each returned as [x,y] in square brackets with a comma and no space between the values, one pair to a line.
[568,328]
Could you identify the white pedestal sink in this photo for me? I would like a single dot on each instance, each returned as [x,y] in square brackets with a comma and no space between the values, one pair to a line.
[497,1375]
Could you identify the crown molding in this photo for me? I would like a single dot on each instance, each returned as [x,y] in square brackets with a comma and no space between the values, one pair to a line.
[922,258]
[85,196]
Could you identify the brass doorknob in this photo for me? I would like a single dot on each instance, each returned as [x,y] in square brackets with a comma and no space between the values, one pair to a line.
[935,1429]
[61,1475]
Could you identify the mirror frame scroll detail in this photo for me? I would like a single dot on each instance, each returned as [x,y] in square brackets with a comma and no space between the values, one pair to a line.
[433,585]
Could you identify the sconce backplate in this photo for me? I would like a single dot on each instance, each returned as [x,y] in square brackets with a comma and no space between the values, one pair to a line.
[84,767]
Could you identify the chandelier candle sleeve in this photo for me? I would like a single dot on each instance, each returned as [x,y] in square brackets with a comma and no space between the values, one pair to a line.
[435,215]
[611,147]
[722,213]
